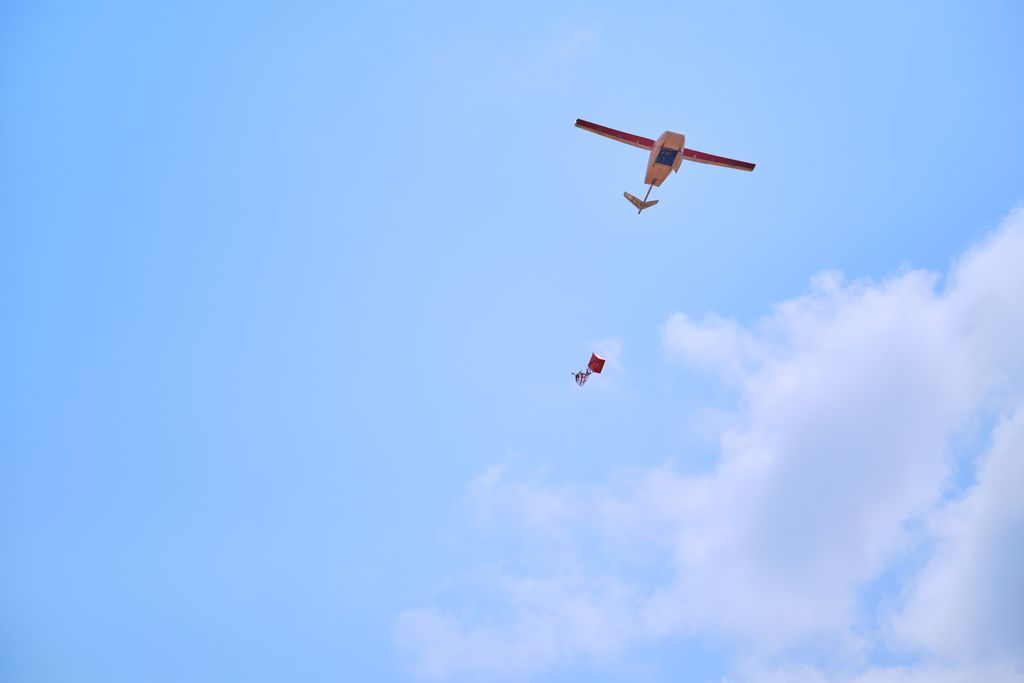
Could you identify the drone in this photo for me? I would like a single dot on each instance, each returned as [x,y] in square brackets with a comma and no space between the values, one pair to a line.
[667,154]
[596,364]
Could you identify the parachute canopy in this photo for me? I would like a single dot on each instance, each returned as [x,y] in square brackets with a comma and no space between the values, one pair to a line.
[596,363]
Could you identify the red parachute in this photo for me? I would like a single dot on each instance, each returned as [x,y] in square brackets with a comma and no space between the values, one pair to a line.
[596,364]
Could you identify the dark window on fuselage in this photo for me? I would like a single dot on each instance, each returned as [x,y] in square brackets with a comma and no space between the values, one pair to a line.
[666,157]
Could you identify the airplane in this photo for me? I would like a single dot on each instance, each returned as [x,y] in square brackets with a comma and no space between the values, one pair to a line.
[667,153]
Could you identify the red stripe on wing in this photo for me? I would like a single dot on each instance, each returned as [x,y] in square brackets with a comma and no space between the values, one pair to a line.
[705,158]
[628,138]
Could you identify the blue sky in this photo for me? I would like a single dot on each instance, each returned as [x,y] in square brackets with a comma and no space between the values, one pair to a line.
[291,294]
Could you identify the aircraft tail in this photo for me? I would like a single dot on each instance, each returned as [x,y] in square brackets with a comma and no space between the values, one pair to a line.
[639,204]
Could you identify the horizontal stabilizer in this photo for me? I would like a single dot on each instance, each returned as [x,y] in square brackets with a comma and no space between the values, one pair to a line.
[638,203]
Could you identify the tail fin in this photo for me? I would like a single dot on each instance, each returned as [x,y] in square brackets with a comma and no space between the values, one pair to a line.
[640,205]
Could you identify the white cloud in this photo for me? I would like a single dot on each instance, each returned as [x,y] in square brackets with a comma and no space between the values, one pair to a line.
[551,619]
[540,509]
[892,674]
[714,344]
[847,400]
[969,600]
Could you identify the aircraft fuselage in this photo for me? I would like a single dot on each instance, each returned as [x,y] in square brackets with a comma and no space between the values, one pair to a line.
[666,156]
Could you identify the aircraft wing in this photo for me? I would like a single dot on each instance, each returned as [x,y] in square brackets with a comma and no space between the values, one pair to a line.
[705,158]
[628,138]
